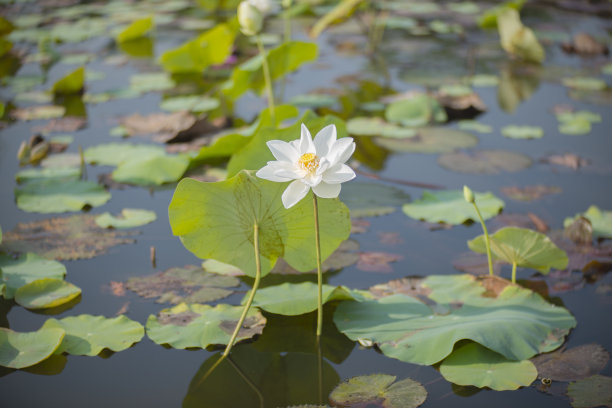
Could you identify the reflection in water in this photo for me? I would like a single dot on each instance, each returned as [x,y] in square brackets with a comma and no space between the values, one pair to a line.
[515,88]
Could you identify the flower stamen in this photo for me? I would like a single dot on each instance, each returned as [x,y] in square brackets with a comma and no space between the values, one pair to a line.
[308,162]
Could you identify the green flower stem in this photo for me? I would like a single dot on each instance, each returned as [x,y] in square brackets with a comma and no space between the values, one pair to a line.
[487,243]
[514,272]
[267,77]
[252,295]
[319,274]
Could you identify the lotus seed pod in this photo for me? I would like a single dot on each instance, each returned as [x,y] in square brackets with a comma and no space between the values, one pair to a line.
[468,194]
[249,18]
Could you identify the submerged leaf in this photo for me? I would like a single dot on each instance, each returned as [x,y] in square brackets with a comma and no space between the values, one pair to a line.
[484,161]
[591,392]
[572,364]
[359,391]
[20,350]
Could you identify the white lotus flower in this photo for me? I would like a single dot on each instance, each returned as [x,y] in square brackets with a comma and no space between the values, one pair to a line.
[318,165]
[267,7]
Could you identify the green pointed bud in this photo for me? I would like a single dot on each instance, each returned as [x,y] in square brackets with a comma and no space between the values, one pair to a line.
[249,18]
[468,194]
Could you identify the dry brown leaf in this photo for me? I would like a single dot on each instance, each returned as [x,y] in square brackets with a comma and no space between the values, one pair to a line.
[117,288]
[568,160]
[584,44]
[65,124]
[572,364]
[359,226]
[529,193]
[377,261]
[390,238]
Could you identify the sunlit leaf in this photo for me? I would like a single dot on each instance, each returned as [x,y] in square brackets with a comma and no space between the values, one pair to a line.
[137,29]
[523,247]
[488,19]
[585,83]
[591,392]
[186,326]
[215,220]
[418,110]
[53,195]
[450,207]
[572,364]
[46,293]
[516,39]
[130,218]
[54,173]
[17,272]
[423,329]
[473,364]
[72,83]
[601,221]
[88,335]
[19,350]
[113,154]
[38,112]
[472,125]
[153,170]
[359,391]
[375,126]
[150,82]
[314,100]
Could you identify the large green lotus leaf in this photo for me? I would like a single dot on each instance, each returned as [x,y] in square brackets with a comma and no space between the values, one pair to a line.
[294,299]
[154,170]
[19,350]
[191,103]
[37,174]
[46,293]
[484,161]
[473,364]
[113,154]
[70,84]
[49,196]
[188,284]
[572,364]
[359,391]
[450,207]
[505,318]
[416,111]
[375,126]
[516,39]
[130,218]
[137,29]
[601,221]
[88,335]
[371,199]
[210,48]
[431,140]
[256,153]
[595,391]
[17,272]
[194,325]
[282,60]
[215,220]
[524,247]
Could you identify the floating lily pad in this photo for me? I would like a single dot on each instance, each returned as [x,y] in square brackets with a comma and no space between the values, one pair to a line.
[88,335]
[573,364]
[418,110]
[192,103]
[62,160]
[450,207]
[129,218]
[55,173]
[601,221]
[17,272]
[293,299]
[449,308]
[38,112]
[591,392]
[137,29]
[151,82]
[575,126]
[375,126]
[523,247]
[314,100]
[473,364]
[48,196]
[371,199]
[522,132]
[359,391]
[484,80]
[484,161]
[585,83]
[76,237]
[530,193]
[431,140]
[377,261]
[474,126]
[188,284]
[185,326]
[154,170]
[46,293]
[113,154]
[19,350]
[72,83]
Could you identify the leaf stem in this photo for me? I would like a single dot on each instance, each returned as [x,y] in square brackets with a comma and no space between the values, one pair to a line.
[248,381]
[319,274]
[487,242]
[267,77]
[513,272]
[252,295]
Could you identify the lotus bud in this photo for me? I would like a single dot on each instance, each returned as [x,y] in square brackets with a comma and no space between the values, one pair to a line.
[249,18]
[468,194]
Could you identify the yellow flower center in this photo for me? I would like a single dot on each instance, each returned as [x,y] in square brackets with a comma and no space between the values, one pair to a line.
[309,162]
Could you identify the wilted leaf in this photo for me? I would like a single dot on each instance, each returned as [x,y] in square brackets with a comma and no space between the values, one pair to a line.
[570,160]
[530,193]
[377,261]
[341,11]
[518,40]
[572,364]
[601,221]
[368,389]
[65,124]
[591,392]
[484,161]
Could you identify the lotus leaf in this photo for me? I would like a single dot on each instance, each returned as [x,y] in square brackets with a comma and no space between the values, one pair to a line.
[484,161]
[53,195]
[88,335]
[187,284]
[450,207]
[431,140]
[255,154]
[210,48]
[72,83]
[516,39]
[38,112]
[215,220]
[294,299]
[530,193]
[314,100]
[17,272]
[370,199]
[136,30]
[591,392]
[575,126]
[601,221]
[359,391]
[149,82]
[153,170]
[185,326]
[113,154]
[488,19]
[282,60]
[505,318]
[191,103]
[585,83]
[62,173]
[418,110]
[130,217]
[522,132]
[375,126]
[572,364]
[523,247]
[473,364]
[343,10]
[46,293]
[20,350]
[475,126]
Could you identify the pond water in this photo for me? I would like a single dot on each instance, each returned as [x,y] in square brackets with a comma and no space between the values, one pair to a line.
[283,367]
